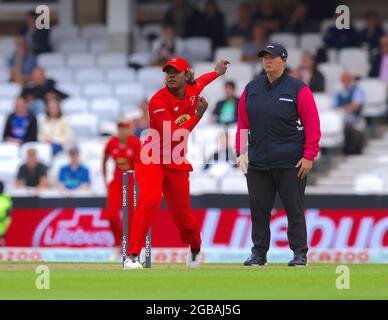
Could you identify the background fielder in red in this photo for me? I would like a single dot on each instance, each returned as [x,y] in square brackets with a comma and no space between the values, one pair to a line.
[177,105]
[123,149]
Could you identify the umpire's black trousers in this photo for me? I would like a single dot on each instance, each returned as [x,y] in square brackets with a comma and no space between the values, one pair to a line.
[262,188]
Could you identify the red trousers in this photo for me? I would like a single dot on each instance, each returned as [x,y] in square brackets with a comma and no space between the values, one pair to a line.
[153,181]
[115,205]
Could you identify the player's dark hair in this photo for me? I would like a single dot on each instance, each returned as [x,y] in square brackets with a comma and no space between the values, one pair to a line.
[191,79]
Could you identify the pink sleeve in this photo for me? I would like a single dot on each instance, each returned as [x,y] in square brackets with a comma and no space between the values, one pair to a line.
[242,126]
[309,117]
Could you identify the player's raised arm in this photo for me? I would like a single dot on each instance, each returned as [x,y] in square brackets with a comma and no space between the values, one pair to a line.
[219,69]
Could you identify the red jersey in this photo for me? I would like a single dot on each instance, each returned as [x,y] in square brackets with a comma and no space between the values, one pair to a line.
[124,156]
[166,110]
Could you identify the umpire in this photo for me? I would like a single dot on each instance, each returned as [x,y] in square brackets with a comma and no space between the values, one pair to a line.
[278,120]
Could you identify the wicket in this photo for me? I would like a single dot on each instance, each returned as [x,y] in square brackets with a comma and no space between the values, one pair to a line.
[126,207]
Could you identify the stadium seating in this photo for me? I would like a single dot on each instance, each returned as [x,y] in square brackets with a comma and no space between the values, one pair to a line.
[294,59]
[93,31]
[7,106]
[376,97]
[288,40]
[78,60]
[198,49]
[7,46]
[51,60]
[97,90]
[233,55]
[332,129]
[9,90]
[88,75]
[323,101]
[84,124]
[98,46]
[106,108]
[60,74]
[234,184]
[109,60]
[355,60]
[311,42]
[120,75]
[70,46]
[75,105]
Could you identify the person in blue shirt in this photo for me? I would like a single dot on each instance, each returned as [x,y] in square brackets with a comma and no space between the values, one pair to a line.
[22,62]
[21,126]
[74,176]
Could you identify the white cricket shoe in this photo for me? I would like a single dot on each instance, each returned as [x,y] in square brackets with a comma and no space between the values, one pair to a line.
[132,263]
[193,260]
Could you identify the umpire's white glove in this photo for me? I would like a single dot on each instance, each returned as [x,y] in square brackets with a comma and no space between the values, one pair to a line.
[242,163]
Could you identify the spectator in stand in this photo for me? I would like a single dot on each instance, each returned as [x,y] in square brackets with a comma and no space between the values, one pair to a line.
[5,214]
[373,31]
[167,46]
[38,40]
[223,160]
[310,75]
[258,41]
[379,67]
[267,15]
[300,20]
[225,111]
[54,127]
[184,17]
[75,175]
[32,173]
[242,28]
[142,123]
[213,24]
[22,62]
[350,100]
[21,125]
[36,90]
[341,38]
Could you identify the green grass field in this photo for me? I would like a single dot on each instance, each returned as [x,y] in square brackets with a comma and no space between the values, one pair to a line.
[173,281]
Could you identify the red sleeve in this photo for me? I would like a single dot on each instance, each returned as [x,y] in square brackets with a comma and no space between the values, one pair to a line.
[205,79]
[308,113]
[242,126]
[108,148]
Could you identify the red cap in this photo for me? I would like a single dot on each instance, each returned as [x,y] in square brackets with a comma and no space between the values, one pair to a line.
[124,123]
[178,63]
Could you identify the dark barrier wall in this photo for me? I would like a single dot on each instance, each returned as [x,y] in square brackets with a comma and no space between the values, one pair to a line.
[219,201]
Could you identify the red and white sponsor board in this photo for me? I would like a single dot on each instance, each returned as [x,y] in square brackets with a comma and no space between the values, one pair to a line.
[221,228]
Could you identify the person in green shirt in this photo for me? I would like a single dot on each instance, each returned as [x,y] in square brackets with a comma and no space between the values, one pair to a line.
[225,111]
[5,213]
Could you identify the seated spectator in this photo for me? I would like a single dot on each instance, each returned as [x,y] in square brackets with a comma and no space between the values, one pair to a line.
[32,173]
[300,20]
[5,214]
[225,111]
[258,41]
[142,123]
[167,46]
[36,90]
[379,67]
[213,24]
[341,38]
[22,62]
[37,40]
[268,16]
[223,160]
[184,17]
[242,28]
[350,100]
[21,125]
[54,127]
[310,75]
[372,32]
[74,176]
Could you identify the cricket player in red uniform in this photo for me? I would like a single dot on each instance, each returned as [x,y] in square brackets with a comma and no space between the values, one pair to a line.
[162,168]
[123,149]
